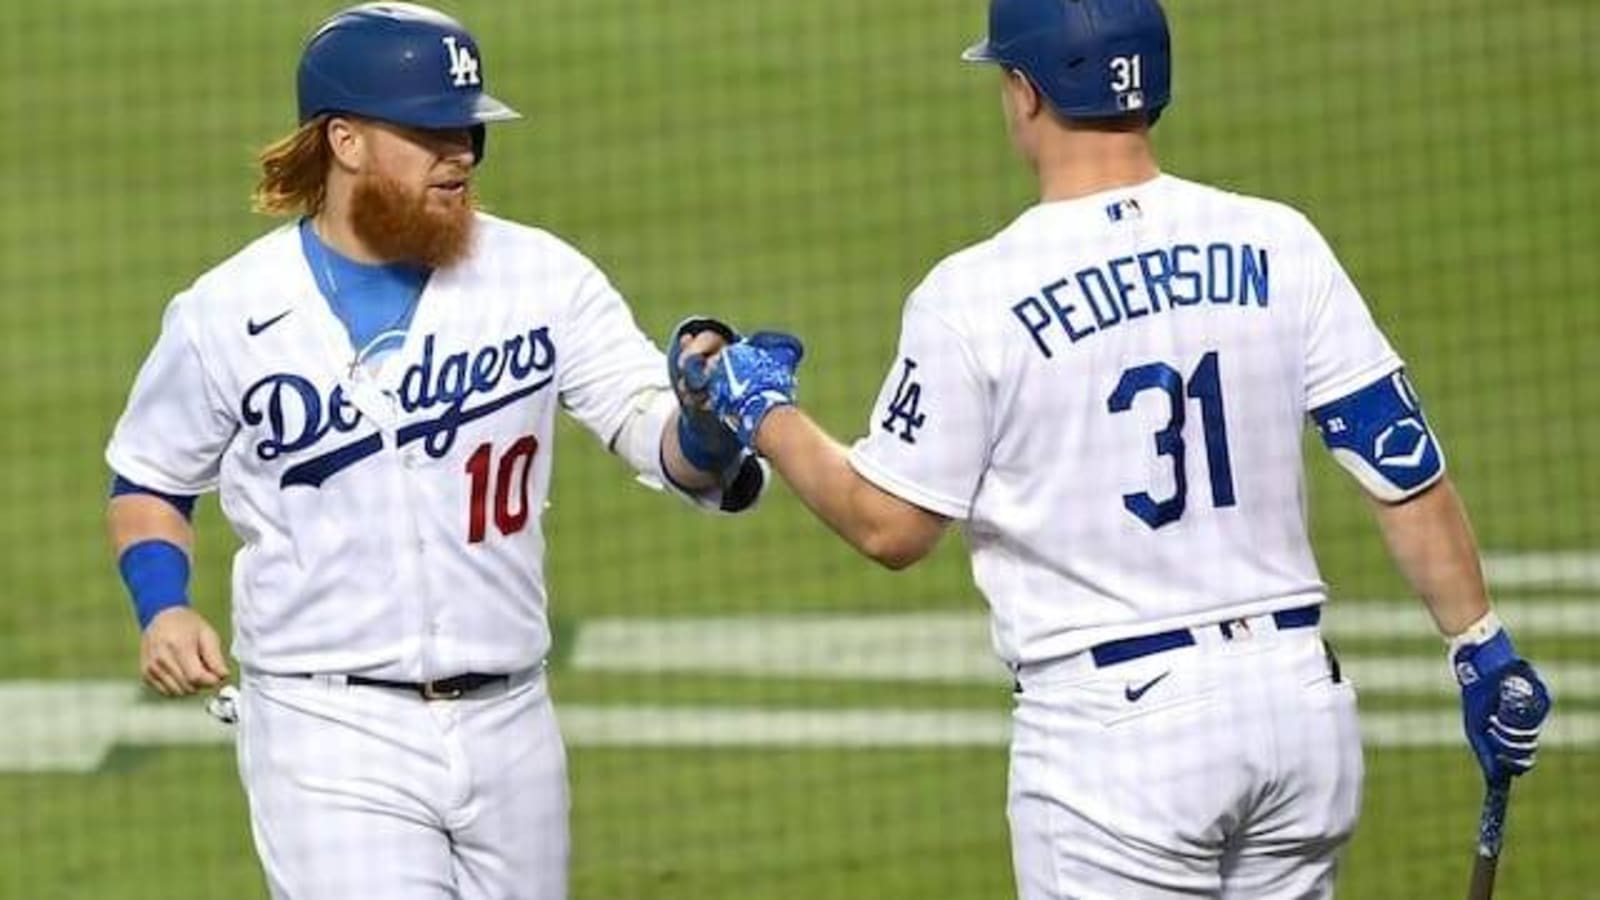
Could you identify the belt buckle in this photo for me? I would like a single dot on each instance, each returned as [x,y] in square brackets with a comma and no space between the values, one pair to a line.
[431,691]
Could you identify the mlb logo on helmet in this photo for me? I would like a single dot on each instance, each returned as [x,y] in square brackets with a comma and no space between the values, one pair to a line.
[1091,59]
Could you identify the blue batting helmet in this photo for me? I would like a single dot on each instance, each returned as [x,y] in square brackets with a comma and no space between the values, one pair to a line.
[402,63]
[1092,59]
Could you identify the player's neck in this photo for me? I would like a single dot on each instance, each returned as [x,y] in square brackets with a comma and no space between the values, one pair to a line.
[1080,164]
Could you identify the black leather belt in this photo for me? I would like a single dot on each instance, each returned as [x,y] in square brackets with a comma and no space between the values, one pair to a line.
[452,688]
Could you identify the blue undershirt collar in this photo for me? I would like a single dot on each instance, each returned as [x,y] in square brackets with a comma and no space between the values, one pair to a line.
[374,302]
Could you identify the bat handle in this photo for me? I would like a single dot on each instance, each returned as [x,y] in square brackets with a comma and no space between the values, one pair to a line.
[1522,704]
[1491,829]
[1492,824]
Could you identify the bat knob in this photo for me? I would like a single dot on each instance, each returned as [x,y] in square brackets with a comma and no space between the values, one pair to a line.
[1522,704]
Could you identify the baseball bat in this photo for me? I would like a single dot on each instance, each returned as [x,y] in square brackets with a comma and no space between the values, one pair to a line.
[1519,705]
[1491,831]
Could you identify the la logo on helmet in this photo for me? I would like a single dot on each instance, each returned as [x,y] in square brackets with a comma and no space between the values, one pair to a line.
[463,65]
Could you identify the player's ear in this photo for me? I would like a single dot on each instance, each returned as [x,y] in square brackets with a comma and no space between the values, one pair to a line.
[347,143]
[1021,94]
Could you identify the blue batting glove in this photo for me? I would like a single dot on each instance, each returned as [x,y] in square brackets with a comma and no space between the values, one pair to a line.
[1504,702]
[706,442]
[749,379]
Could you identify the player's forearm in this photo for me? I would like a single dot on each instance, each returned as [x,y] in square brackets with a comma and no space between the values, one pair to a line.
[133,518]
[818,470]
[1431,541]
[154,542]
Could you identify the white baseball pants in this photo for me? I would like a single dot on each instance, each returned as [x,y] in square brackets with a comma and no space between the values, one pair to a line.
[375,793]
[1227,769]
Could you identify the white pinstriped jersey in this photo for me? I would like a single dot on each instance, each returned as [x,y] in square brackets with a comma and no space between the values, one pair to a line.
[1110,394]
[390,519]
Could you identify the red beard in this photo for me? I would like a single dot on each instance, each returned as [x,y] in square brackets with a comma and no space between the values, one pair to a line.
[399,224]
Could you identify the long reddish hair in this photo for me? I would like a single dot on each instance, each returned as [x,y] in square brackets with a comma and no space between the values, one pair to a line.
[294,172]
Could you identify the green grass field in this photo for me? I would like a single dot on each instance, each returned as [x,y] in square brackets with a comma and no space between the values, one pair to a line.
[802,164]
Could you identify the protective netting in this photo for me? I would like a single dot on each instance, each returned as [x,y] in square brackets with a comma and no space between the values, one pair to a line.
[752,710]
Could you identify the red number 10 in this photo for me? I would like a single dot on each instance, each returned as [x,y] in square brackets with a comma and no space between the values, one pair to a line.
[508,520]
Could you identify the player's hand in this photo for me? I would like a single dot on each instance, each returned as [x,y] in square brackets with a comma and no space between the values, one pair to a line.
[706,442]
[181,654]
[748,380]
[700,336]
[1504,704]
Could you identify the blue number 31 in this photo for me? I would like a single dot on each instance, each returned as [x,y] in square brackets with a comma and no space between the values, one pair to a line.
[1205,385]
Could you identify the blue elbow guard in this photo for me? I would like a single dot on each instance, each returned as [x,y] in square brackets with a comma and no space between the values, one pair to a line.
[1381,437]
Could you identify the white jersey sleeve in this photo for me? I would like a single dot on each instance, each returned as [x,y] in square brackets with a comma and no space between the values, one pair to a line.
[929,433]
[1345,350]
[614,381]
[176,426]
[610,360]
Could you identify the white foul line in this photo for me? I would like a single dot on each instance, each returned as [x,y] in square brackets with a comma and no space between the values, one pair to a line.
[1553,569]
[667,726]
[72,726]
[930,647]
[658,726]
[1412,676]
[953,648]
[1357,619]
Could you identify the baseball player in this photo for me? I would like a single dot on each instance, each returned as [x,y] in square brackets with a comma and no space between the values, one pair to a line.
[1109,395]
[372,388]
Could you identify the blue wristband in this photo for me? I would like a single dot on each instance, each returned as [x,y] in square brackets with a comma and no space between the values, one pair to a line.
[714,452]
[157,575]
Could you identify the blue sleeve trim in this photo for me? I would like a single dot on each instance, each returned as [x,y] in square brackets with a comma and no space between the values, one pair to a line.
[1380,435]
[183,504]
[156,573]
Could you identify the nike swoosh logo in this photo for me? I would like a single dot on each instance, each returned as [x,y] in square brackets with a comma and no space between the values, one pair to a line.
[1134,693]
[734,384]
[256,328]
